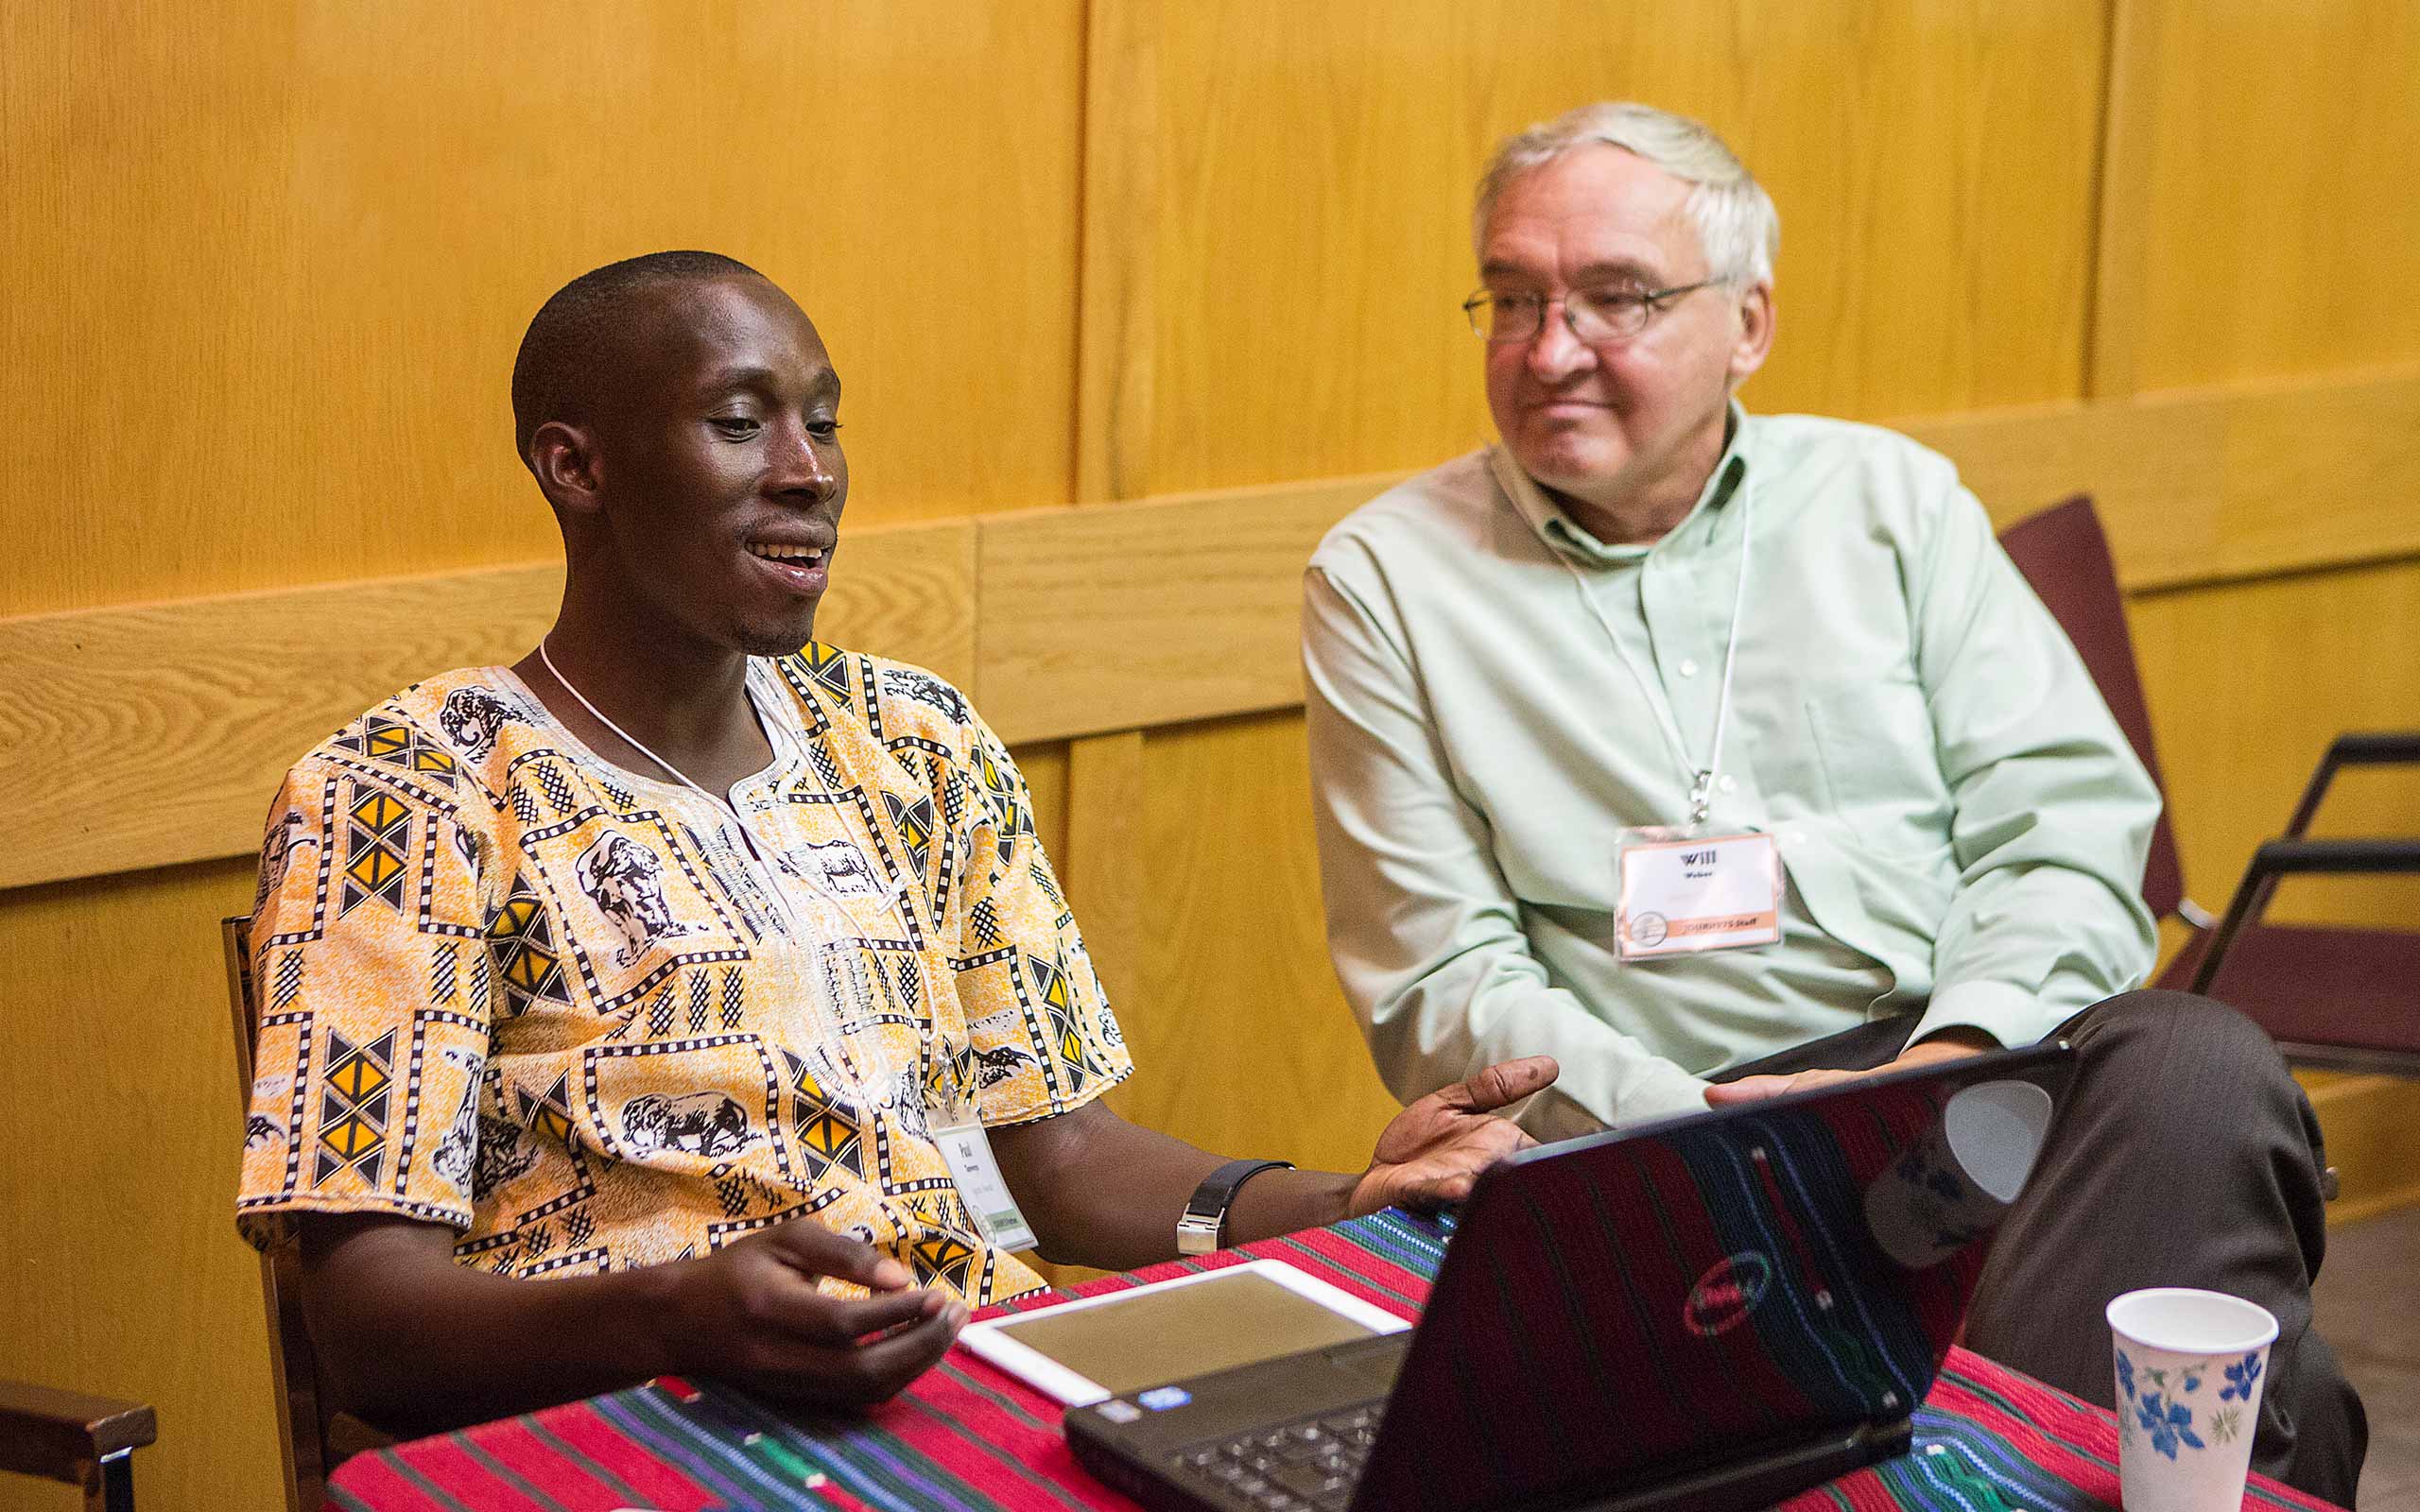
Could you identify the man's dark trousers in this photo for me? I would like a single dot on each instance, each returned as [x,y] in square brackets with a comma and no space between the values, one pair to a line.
[2186,1155]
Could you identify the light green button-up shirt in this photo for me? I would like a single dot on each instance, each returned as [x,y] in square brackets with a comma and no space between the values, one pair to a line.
[1961,823]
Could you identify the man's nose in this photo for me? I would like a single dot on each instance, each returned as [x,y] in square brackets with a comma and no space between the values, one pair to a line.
[1554,351]
[806,468]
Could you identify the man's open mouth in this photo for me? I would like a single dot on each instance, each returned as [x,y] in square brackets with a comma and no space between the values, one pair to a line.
[787,554]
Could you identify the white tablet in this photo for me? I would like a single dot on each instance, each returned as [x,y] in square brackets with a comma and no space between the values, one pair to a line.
[1085,1352]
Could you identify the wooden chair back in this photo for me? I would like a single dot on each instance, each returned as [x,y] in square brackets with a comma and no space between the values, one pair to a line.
[302,1426]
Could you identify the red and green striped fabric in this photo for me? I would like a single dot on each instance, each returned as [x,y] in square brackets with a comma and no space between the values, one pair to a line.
[967,1437]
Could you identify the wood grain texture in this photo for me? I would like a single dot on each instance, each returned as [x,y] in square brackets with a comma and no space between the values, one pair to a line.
[2276,215]
[125,1274]
[2248,682]
[1116,326]
[233,688]
[2121,253]
[1148,614]
[267,275]
[1933,168]
[2216,484]
[1104,865]
[1241,1038]
[1075,621]
[2367,1122]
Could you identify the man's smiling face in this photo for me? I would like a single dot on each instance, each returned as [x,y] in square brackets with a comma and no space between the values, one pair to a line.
[719,465]
[1608,421]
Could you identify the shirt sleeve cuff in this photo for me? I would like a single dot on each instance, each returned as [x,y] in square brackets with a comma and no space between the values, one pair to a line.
[1558,1114]
[2009,1014]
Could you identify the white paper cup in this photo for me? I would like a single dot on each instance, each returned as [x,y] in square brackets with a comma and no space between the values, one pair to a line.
[2190,1365]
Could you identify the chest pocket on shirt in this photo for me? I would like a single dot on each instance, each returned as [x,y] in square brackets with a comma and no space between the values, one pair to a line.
[1881,767]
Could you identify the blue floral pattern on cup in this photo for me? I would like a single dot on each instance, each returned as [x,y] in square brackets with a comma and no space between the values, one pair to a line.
[2167,1422]
[2160,1410]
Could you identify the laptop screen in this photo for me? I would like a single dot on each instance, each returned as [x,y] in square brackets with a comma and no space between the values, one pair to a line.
[1697,1290]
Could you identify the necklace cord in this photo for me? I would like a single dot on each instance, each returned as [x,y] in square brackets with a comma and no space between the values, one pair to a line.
[746,837]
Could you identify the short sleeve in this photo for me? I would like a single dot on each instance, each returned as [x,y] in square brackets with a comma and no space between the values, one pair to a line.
[1044,1037]
[371,981]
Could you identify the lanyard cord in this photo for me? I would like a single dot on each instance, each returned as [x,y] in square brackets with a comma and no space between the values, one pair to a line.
[1700,778]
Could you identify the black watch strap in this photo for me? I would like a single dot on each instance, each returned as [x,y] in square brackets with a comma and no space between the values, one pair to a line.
[1204,1227]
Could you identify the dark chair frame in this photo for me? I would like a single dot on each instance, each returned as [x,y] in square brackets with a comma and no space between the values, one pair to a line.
[2294,854]
[86,1441]
[2063,553]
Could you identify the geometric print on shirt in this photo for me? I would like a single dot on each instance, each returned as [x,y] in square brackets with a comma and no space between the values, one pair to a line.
[511,987]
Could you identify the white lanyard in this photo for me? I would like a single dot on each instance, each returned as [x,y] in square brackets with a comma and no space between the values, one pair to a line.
[772,872]
[1700,778]
[964,1148]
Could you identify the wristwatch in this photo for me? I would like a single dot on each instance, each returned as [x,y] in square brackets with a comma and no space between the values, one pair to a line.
[1204,1227]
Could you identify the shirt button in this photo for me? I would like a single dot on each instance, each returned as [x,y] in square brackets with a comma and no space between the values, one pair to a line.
[1688,668]
[1730,785]
[1796,838]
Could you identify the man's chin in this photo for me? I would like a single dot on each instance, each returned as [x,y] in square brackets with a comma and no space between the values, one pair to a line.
[1589,472]
[768,640]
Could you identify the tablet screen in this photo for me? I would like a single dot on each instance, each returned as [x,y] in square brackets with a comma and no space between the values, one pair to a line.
[1142,1338]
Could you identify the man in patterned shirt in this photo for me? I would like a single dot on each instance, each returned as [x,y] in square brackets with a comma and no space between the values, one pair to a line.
[650,964]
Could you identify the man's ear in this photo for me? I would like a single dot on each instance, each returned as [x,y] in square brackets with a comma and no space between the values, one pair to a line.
[1754,338]
[564,460]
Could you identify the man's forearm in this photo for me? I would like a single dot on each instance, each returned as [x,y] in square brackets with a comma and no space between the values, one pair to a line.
[415,1343]
[1122,1211]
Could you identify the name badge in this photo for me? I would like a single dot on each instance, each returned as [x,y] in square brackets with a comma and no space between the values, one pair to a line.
[1697,893]
[968,1151]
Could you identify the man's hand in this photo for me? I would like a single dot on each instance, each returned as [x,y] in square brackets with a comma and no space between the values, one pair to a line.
[1436,1148]
[1950,1045]
[752,1314]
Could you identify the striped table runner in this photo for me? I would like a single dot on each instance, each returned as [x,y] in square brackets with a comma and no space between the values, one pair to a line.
[968,1436]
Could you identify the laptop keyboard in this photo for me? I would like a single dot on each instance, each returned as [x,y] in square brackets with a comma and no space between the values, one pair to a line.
[1309,1465]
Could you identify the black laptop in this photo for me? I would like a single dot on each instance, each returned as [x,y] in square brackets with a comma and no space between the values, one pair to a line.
[1703,1314]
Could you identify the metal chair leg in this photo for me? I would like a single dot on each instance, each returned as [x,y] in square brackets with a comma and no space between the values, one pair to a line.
[111,1487]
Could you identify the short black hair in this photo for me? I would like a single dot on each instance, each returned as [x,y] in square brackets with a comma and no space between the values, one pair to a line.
[563,349]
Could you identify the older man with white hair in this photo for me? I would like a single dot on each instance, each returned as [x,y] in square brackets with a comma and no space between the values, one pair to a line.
[1721,754]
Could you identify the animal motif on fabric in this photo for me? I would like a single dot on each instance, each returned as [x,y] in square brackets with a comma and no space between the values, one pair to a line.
[706,1123]
[625,880]
[473,717]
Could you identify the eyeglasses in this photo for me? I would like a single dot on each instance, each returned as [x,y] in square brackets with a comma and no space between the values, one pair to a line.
[1592,315]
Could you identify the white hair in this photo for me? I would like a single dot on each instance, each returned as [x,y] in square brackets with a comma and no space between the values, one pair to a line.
[1738,227]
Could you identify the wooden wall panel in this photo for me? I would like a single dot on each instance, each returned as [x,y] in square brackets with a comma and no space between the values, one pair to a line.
[2194,486]
[2248,682]
[119,1113]
[239,686]
[1933,169]
[267,275]
[1197,597]
[2272,225]
[1242,1038]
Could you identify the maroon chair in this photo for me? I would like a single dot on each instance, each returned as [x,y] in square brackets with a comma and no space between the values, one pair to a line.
[2338,997]
[2346,998]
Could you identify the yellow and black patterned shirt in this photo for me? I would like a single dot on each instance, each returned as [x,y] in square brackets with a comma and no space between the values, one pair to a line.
[509,986]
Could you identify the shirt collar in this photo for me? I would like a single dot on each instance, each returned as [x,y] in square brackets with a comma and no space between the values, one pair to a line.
[1562,533]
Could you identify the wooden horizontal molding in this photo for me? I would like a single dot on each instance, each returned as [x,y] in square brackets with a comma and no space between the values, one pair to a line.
[1120,616]
[1070,621]
[151,734]
[2212,485]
